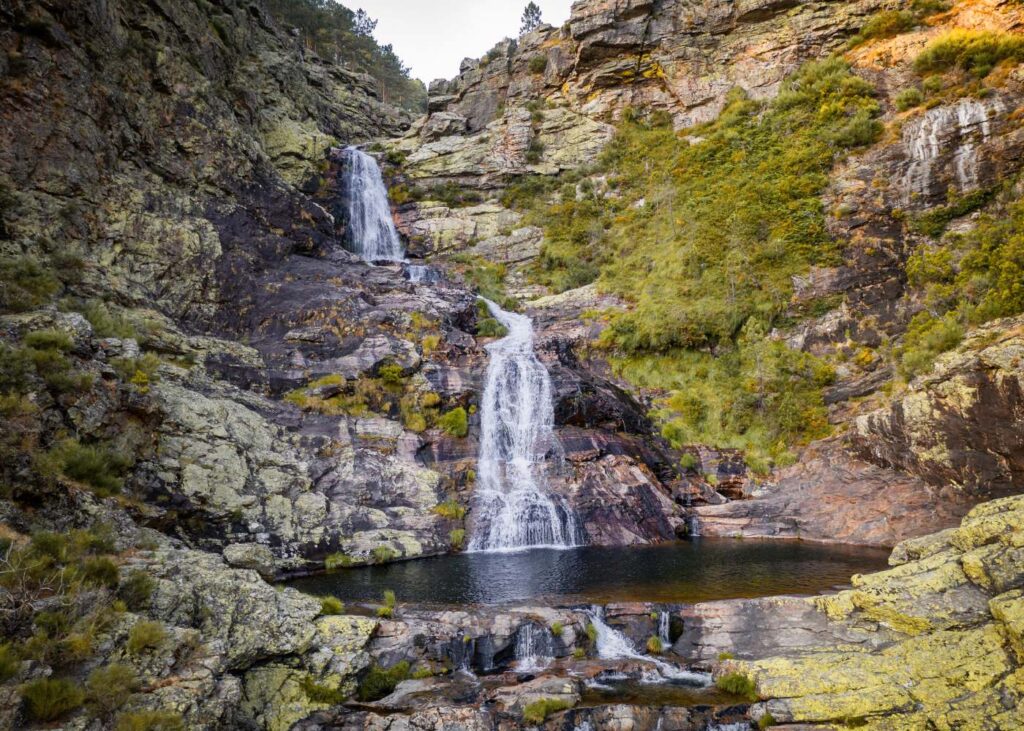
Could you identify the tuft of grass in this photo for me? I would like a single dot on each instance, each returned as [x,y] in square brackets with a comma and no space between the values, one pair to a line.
[9,662]
[331,605]
[48,699]
[655,646]
[722,656]
[337,560]
[738,684]
[146,635]
[766,721]
[26,283]
[387,610]
[538,64]
[457,538]
[100,466]
[909,98]
[557,628]
[136,590]
[110,687]
[539,710]
[101,571]
[380,682]
[383,554]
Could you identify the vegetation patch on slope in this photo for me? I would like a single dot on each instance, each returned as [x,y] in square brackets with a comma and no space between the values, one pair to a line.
[702,233]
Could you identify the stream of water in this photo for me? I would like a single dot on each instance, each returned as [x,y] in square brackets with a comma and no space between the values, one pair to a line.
[513,508]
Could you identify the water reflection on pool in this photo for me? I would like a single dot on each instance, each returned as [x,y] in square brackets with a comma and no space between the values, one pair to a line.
[683,572]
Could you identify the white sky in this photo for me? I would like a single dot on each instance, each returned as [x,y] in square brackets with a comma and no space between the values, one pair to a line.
[433,36]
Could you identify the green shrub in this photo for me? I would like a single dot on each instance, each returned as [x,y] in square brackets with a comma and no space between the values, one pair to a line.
[110,687]
[766,721]
[150,721]
[48,699]
[25,284]
[422,672]
[136,590]
[489,327]
[888,23]
[557,628]
[972,51]
[451,509]
[655,646]
[100,466]
[538,64]
[909,98]
[9,662]
[591,633]
[390,374]
[146,635]
[101,571]
[49,340]
[107,324]
[539,710]
[928,337]
[722,656]
[455,422]
[579,653]
[331,605]
[380,682]
[689,462]
[737,684]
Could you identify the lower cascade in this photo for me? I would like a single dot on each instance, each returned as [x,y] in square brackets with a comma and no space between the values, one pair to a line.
[613,645]
[371,229]
[514,511]
[534,648]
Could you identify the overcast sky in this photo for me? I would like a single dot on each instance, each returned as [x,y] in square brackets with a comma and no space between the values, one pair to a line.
[433,36]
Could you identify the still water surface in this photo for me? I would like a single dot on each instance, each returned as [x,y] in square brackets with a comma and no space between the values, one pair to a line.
[684,572]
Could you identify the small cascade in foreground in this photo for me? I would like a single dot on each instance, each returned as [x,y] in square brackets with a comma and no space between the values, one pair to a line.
[664,622]
[514,511]
[613,645]
[371,229]
[534,648]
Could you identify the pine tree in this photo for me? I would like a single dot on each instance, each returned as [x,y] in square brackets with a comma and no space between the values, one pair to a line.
[531,18]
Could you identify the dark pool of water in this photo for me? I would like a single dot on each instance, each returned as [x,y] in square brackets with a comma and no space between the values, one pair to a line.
[684,572]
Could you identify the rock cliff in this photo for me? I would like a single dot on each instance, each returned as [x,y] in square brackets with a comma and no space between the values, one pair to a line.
[203,391]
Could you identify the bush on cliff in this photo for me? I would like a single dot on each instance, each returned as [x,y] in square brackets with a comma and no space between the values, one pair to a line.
[972,51]
[967,280]
[455,422]
[48,699]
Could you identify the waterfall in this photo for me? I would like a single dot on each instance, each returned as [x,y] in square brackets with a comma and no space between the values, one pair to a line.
[534,649]
[421,274]
[514,510]
[664,620]
[371,230]
[613,645]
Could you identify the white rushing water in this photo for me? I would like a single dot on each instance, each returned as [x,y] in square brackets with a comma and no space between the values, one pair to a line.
[534,648]
[613,645]
[514,510]
[371,229]
[664,622]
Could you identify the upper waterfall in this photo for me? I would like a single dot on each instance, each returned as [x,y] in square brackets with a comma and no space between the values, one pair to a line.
[371,229]
[517,432]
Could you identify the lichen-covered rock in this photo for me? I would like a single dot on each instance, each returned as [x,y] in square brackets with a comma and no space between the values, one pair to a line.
[962,422]
[934,642]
